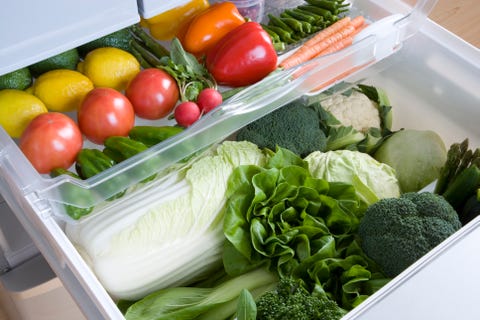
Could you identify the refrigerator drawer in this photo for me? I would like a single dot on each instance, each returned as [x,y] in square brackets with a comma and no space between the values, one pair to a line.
[421,74]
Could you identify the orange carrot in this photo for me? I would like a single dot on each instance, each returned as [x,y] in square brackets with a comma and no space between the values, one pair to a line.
[343,28]
[360,28]
[358,21]
[337,46]
[306,53]
[359,24]
[328,31]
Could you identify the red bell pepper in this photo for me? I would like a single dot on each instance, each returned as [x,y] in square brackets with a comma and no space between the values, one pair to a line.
[242,57]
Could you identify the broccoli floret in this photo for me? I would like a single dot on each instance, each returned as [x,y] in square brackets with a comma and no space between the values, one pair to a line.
[395,232]
[294,126]
[289,300]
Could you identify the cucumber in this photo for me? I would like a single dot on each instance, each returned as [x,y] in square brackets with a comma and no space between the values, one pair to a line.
[73,194]
[123,148]
[151,135]
[91,162]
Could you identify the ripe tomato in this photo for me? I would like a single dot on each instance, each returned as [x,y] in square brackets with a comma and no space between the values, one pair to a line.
[105,112]
[51,140]
[153,93]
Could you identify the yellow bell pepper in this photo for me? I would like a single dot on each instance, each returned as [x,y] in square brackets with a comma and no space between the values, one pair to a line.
[166,25]
[209,26]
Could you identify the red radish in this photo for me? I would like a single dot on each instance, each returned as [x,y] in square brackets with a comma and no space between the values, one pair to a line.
[208,99]
[186,113]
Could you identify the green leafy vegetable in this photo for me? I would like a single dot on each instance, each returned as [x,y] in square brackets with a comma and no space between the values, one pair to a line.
[204,303]
[171,234]
[191,76]
[247,309]
[372,179]
[300,226]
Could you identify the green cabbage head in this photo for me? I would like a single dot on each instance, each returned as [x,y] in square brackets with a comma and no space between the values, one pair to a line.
[372,179]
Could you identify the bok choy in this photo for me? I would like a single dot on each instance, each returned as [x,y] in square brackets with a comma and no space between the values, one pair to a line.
[169,234]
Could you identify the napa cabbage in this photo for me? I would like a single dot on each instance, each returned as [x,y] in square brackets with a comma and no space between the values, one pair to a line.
[169,234]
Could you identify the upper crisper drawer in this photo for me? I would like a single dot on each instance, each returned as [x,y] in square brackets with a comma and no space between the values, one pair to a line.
[391,23]
[35,30]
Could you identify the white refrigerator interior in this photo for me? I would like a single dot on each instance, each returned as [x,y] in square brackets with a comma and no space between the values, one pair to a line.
[431,77]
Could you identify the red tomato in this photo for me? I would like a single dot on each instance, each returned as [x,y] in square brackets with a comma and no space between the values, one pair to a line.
[186,113]
[208,99]
[105,112]
[51,140]
[153,93]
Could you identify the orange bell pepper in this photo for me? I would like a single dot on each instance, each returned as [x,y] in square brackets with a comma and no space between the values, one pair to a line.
[209,26]
[166,25]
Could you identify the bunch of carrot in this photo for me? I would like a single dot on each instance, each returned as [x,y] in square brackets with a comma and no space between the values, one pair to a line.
[331,39]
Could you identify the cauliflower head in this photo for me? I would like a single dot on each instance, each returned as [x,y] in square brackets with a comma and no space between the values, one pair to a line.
[355,110]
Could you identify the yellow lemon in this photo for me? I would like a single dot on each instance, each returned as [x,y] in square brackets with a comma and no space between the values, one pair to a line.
[17,109]
[110,67]
[62,89]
